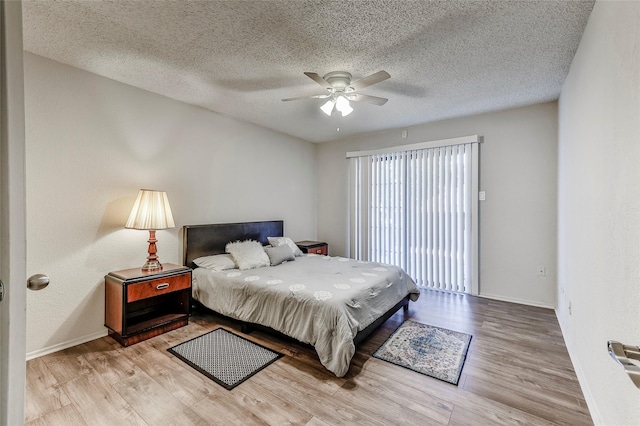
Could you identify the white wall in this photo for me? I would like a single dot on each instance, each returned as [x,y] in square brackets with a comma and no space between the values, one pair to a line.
[517,171]
[92,143]
[599,208]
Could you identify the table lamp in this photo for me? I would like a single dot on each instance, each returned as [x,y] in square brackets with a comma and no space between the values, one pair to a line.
[151,212]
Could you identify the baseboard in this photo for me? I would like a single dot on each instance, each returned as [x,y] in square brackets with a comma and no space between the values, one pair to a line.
[582,379]
[514,300]
[65,345]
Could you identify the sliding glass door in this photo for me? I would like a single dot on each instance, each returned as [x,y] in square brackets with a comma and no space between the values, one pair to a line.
[416,207]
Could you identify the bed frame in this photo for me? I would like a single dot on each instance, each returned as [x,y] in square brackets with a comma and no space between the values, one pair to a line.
[207,240]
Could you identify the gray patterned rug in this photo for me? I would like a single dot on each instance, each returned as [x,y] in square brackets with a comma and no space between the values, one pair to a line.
[224,357]
[436,352]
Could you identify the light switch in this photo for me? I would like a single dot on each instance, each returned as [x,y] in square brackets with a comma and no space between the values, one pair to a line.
[481,196]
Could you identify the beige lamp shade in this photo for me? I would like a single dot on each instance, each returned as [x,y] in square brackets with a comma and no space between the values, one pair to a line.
[151,211]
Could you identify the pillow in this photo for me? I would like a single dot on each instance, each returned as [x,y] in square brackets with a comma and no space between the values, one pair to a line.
[217,262]
[280,241]
[280,254]
[248,254]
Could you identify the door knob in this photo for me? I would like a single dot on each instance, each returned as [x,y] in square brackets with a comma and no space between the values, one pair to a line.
[37,282]
[622,354]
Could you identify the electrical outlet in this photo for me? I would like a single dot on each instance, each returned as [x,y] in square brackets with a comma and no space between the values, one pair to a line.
[569,308]
[542,271]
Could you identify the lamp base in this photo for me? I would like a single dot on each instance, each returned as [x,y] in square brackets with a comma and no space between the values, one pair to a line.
[152,263]
[152,266]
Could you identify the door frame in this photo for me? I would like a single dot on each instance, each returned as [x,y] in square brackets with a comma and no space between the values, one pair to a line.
[12,217]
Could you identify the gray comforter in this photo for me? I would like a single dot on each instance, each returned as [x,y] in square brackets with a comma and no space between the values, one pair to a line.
[321,300]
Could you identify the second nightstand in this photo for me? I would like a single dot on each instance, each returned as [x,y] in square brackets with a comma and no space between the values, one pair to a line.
[316,247]
[141,305]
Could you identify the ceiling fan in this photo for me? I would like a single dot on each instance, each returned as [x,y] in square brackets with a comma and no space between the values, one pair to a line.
[342,90]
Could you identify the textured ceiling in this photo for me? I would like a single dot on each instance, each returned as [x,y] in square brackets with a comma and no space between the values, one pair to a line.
[239,58]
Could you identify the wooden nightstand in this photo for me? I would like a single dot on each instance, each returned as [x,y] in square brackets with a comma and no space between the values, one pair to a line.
[316,247]
[141,305]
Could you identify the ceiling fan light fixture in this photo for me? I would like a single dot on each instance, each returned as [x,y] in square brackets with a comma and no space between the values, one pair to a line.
[327,108]
[346,110]
[342,105]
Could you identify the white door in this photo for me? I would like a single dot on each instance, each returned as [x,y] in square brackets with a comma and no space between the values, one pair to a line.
[12,217]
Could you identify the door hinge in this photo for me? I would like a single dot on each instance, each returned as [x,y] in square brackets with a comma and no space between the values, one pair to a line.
[1,290]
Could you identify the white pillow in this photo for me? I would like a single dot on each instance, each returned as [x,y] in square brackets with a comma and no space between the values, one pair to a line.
[217,262]
[248,254]
[281,241]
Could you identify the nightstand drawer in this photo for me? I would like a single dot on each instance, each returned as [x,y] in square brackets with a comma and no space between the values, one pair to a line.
[318,250]
[313,247]
[157,287]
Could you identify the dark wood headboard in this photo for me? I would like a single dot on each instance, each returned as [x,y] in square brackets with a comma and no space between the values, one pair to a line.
[206,240]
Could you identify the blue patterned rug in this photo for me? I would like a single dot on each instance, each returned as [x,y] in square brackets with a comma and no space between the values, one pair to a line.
[224,357]
[434,351]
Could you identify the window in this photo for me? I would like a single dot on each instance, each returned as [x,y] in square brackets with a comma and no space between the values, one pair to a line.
[416,207]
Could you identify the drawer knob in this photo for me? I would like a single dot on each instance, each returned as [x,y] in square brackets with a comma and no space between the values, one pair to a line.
[162,286]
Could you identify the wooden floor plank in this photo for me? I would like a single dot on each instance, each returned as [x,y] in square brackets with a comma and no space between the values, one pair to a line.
[67,415]
[284,377]
[534,375]
[518,371]
[68,364]
[47,395]
[477,415]
[316,422]
[266,405]
[148,398]
[545,405]
[99,403]
[387,399]
[176,377]
[225,411]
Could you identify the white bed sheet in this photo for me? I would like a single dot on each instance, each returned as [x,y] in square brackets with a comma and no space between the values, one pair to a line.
[321,300]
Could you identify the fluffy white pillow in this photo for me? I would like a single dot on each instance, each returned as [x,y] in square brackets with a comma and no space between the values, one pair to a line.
[281,241]
[217,262]
[248,254]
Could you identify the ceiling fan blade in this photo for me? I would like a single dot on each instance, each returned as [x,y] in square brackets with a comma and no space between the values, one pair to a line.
[299,98]
[321,81]
[370,80]
[375,100]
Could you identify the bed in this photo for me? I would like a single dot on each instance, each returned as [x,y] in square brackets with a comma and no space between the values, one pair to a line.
[331,303]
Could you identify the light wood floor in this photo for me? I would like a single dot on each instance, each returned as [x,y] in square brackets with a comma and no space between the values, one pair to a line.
[517,372]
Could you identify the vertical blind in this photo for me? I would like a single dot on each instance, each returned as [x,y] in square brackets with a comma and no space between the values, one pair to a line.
[416,208]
